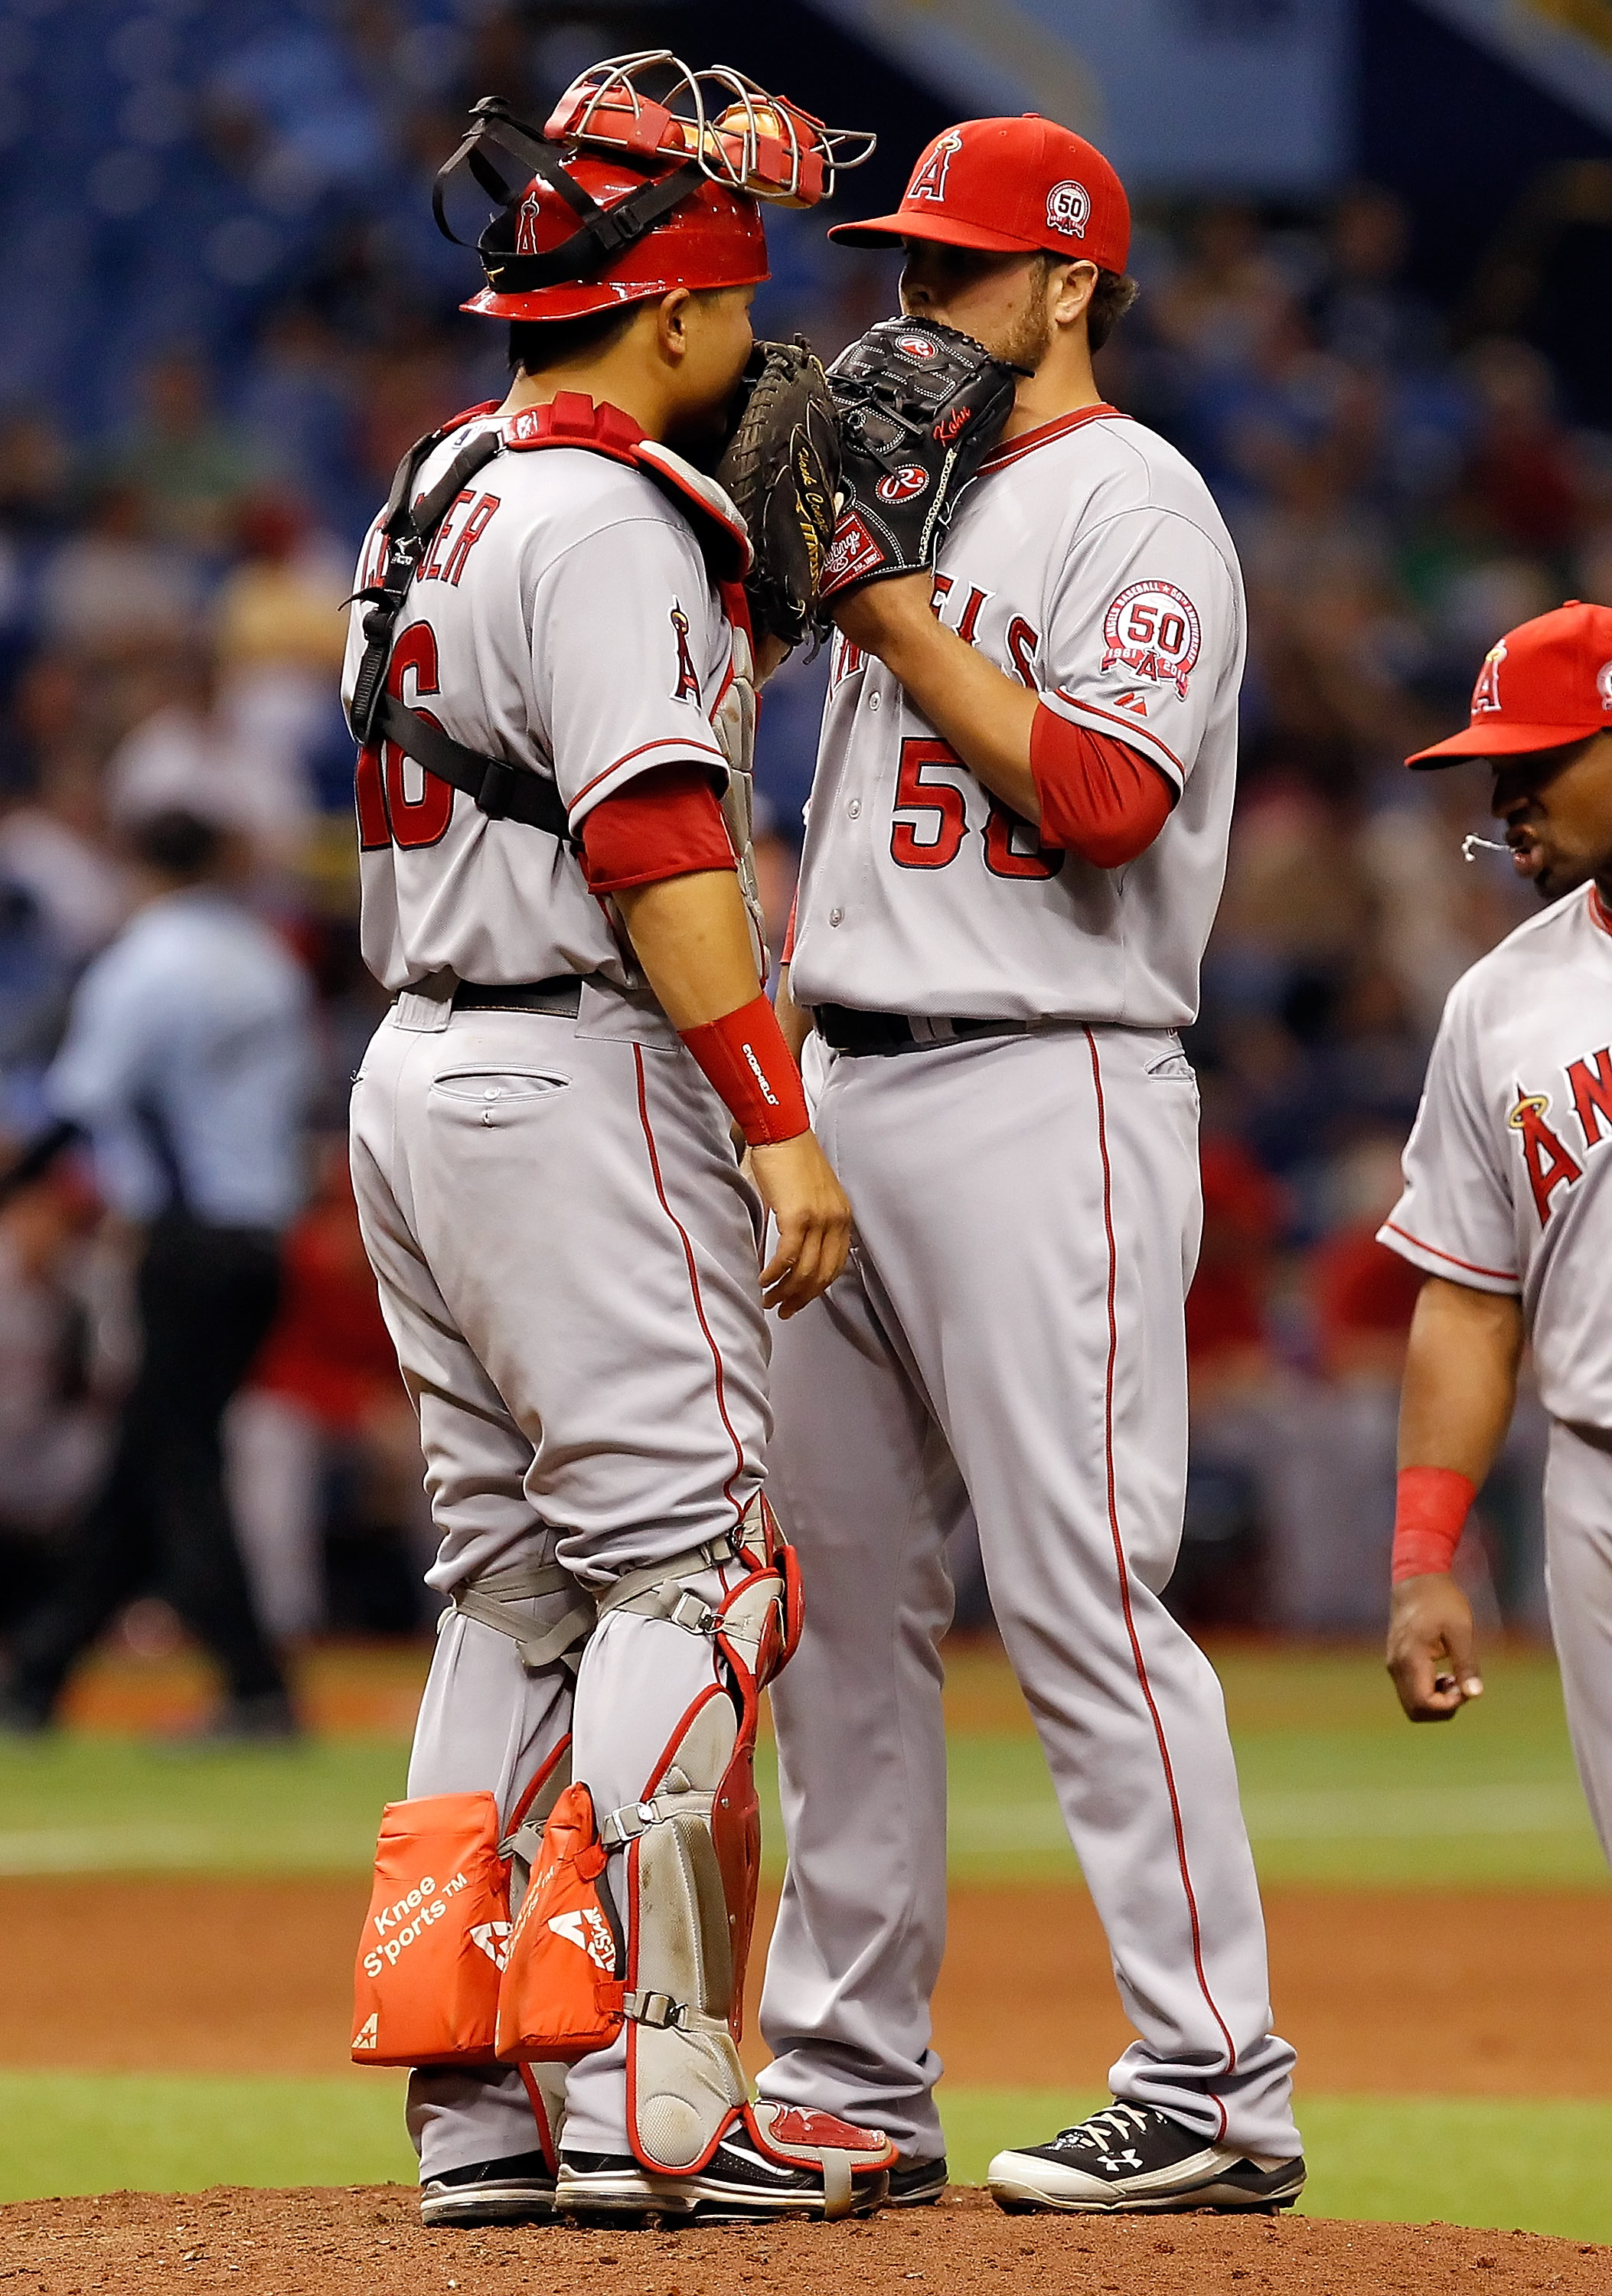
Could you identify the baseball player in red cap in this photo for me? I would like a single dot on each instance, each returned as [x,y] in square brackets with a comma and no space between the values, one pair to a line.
[1506,1202]
[550,673]
[1014,850]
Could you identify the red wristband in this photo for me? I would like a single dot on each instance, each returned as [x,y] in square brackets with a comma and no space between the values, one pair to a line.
[1430,1514]
[745,1056]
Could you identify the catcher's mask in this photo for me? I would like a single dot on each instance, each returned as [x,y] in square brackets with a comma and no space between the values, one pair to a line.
[625,196]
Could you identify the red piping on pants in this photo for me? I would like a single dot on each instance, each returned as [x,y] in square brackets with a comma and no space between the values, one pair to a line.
[694,1282]
[1124,1578]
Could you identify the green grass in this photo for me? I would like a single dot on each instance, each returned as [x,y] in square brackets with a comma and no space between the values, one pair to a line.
[1540,2166]
[1338,1789]
[83,1804]
[180,2133]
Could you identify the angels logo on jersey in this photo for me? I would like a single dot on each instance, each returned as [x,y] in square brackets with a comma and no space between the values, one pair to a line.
[1485,693]
[1069,210]
[1153,629]
[687,686]
[1548,1161]
[901,486]
[929,179]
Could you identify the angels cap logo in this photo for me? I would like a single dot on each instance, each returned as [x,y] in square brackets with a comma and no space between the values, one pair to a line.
[929,180]
[1485,693]
[1069,210]
[526,227]
[901,486]
[1603,685]
[1153,629]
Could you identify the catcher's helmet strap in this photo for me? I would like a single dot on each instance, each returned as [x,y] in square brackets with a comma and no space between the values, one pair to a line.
[605,233]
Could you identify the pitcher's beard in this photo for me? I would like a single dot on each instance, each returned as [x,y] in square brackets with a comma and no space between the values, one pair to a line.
[1030,341]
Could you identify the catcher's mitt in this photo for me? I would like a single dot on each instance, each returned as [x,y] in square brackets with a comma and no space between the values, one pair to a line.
[782,468]
[920,407]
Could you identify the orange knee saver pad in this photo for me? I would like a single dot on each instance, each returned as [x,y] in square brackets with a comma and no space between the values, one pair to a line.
[425,1988]
[562,1996]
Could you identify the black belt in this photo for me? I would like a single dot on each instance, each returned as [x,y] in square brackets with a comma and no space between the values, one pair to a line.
[561,993]
[850,1031]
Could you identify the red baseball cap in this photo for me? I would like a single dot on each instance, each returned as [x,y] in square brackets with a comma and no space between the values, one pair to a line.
[1546,685]
[1009,187]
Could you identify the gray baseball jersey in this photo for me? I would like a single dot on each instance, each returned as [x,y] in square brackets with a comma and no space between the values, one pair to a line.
[1008,1340]
[1506,1182]
[564,618]
[1088,562]
[1506,1191]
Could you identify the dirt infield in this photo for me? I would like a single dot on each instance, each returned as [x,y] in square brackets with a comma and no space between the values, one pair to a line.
[1504,1993]
[327,2243]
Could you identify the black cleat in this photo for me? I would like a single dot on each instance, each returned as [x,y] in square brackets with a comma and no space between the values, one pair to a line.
[519,2190]
[917,2183]
[1132,2158]
[738,2185]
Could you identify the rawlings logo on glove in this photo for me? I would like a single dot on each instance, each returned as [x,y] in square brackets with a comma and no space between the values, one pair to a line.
[920,407]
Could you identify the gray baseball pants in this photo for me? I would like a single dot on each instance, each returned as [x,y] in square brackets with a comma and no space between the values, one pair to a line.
[566,1256]
[1009,1338]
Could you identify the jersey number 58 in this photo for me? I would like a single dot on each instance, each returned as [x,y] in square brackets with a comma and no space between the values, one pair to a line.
[933,838]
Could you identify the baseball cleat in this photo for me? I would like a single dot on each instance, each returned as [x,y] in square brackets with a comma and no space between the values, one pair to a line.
[916,2184]
[741,2184]
[518,2190]
[1131,2158]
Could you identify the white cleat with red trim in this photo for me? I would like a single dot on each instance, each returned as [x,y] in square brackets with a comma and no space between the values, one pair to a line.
[1132,2158]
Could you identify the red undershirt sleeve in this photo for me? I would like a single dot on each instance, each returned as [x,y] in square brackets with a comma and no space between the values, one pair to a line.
[666,823]
[1099,798]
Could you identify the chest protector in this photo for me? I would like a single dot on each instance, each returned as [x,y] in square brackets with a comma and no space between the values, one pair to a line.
[501,789]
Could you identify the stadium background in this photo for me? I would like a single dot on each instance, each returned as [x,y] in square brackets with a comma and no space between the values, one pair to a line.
[1375,243]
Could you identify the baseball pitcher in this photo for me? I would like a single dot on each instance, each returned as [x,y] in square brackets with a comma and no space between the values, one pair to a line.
[1015,846]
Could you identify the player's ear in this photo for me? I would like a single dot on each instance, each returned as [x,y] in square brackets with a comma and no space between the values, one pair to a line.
[1070,287]
[671,325]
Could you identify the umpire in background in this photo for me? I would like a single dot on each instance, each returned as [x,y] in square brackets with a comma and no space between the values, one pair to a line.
[188,1063]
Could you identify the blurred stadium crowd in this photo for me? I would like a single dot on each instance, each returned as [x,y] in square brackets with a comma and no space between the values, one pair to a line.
[228,313]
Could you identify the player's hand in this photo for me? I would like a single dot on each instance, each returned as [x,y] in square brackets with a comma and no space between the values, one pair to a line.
[1432,1647]
[813,1216]
[877,616]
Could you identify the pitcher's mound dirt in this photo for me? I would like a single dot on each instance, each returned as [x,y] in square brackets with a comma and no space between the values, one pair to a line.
[333,2243]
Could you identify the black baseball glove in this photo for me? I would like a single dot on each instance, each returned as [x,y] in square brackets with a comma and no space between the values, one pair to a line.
[920,407]
[781,467]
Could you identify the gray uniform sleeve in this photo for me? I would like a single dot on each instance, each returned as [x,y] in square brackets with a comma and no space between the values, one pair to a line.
[1456,1218]
[1145,627]
[628,643]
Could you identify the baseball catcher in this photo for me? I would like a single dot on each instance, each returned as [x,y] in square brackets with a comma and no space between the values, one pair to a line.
[551,675]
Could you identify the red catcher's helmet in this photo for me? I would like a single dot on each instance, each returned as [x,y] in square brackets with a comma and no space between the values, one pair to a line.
[631,194]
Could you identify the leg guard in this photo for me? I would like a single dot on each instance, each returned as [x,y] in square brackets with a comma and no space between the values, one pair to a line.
[690,1855]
